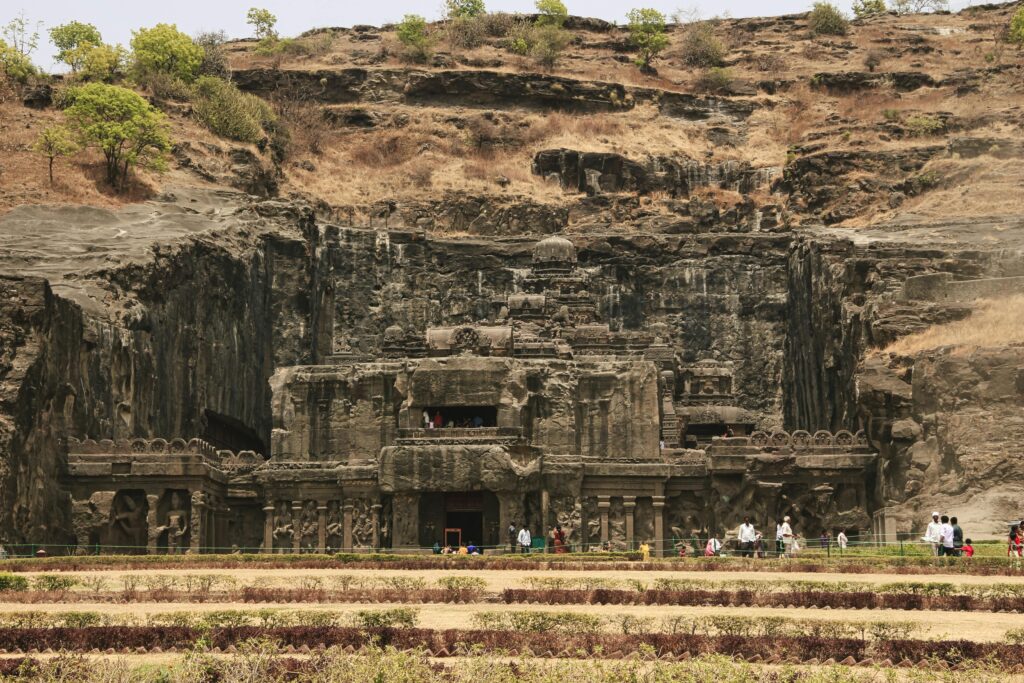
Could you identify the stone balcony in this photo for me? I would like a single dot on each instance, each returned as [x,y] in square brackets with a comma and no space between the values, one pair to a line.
[459,435]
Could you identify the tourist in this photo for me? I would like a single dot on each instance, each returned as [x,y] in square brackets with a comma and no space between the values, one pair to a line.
[778,538]
[3,552]
[427,424]
[747,535]
[947,537]
[525,540]
[825,541]
[472,549]
[682,550]
[958,536]
[438,420]
[645,551]
[1013,551]
[478,422]
[968,549]
[558,539]
[447,550]
[512,537]
[842,540]
[437,547]
[933,534]
[787,538]
[759,546]
[463,550]
[713,547]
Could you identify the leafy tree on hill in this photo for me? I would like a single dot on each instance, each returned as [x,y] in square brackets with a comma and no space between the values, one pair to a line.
[73,41]
[868,8]
[20,36]
[263,23]
[647,34]
[164,49]
[122,125]
[412,33]
[551,13]
[464,8]
[826,19]
[53,142]
[1016,32]
[13,65]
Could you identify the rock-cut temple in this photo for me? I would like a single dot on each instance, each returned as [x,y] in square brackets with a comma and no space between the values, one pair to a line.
[540,413]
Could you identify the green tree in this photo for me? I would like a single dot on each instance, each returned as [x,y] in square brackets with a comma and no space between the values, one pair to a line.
[73,40]
[1016,32]
[14,65]
[868,8]
[647,34]
[164,49]
[102,62]
[464,8]
[549,42]
[122,125]
[551,13]
[53,142]
[826,19]
[263,22]
[21,36]
[412,33]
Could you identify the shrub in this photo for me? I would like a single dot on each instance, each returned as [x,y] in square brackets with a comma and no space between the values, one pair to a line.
[1014,636]
[549,42]
[918,6]
[53,142]
[923,125]
[397,617]
[71,38]
[123,126]
[464,8]
[465,32]
[647,35]
[412,33]
[14,65]
[519,39]
[872,59]
[827,20]
[54,582]
[215,61]
[104,63]
[166,50]
[701,47]
[868,8]
[498,24]
[13,582]
[551,13]
[713,80]
[376,153]
[1016,32]
[229,112]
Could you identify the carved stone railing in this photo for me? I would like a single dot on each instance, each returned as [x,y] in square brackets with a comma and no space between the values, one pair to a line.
[163,447]
[455,435]
[798,441]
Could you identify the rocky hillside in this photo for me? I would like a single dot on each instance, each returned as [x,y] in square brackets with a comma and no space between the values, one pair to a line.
[771,215]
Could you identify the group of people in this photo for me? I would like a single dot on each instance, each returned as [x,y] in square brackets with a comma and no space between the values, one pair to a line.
[462,549]
[437,421]
[751,542]
[947,538]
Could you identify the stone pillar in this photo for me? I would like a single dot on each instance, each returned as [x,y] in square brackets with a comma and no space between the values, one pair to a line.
[321,526]
[347,528]
[268,526]
[375,510]
[296,526]
[604,504]
[152,523]
[629,505]
[545,501]
[198,513]
[659,526]
[224,516]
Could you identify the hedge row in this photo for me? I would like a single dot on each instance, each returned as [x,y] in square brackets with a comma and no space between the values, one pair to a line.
[442,643]
[750,598]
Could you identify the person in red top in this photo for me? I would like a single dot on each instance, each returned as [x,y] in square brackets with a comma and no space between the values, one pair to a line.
[968,549]
[1014,548]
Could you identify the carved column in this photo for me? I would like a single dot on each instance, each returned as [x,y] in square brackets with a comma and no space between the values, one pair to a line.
[545,501]
[375,510]
[321,526]
[296,526]
[224,516]
[604,504]
[629,505]
[659,526]
[198,516]
[347,528]
[152,523]
[268,526]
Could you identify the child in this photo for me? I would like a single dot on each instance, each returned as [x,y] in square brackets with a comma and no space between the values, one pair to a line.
[968,549]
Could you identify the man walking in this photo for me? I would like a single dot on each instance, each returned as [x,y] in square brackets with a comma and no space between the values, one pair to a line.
[933,534]
[512,537]
[947,538]
[787,537]
[958,536]
[778,538]
[525,540]
[747,535]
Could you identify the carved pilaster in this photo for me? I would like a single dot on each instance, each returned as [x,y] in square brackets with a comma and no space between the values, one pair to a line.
[321,526]
[152,523]
[297,522]
[659,526]
[376,508]
[629,505]
[347,528]
[268,527]
[604,504]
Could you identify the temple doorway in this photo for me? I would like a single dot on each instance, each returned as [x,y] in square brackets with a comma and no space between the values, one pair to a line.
[464,518]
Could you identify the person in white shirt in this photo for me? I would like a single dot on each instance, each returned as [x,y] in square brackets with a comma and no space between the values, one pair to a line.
[525,540]
[947,537]
[842,540]
[778,538]
[787,537]
[933,534]
[747,535]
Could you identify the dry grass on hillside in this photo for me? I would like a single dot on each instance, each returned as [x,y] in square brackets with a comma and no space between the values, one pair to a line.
[997,322]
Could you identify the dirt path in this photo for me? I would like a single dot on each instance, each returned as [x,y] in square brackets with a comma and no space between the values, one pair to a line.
[977,626]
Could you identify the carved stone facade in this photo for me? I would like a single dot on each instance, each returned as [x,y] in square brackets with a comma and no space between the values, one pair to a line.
[539,413]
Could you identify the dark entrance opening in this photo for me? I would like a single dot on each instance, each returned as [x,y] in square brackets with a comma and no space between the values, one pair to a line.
[231,434]
[462,416]
[464,518]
